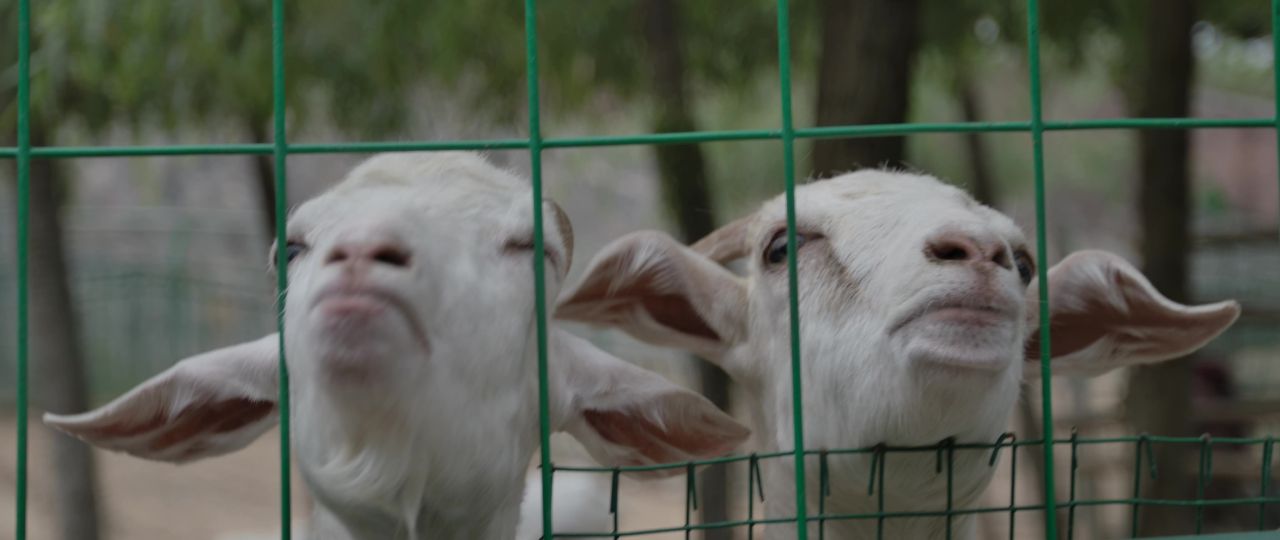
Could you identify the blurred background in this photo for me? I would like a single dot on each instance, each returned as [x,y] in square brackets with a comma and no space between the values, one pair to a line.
[137,262]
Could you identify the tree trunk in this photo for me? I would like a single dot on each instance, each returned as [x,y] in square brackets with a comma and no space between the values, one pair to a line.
[983,185]
[58,373]
[687,196]
[864,77]
[1159,398]
[264,175]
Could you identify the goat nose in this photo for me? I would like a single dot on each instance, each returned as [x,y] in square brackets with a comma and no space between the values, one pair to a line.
[967,248]
[378,253]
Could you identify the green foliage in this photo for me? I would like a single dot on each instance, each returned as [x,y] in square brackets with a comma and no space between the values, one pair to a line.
[590,48]
[175,61]
[169,62]
[1241,19]
[949,27]
[361,65]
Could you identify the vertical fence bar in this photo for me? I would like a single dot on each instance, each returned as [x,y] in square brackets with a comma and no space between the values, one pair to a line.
[879,480]
[690,499]
[539,282]
[280,152]
[750,498]
[613,503]
[824,488]
[1013,485]
[951,483]
[1071,497]
[793,288]
[1264,483]
[24,196]
[1037,147]
[1137,486]
[1202,479]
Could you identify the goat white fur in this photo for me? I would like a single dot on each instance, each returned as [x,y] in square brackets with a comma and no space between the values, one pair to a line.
[918,314]
[411,349]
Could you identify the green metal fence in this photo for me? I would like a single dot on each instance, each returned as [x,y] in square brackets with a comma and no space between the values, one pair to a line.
[1140,446]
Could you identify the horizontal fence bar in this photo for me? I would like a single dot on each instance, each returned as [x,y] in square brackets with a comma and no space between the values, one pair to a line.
[685,137]
[825,132]
[267,148]
[680,528]
[924,513]
[886,449]
[878,130]
[58,152]
[1160,123]
[407,146]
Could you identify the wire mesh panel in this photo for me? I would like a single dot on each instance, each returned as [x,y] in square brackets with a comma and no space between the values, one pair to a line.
[1140,448]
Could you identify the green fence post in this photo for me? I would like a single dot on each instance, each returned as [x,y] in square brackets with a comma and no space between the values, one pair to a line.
[24,195]
[1046,382]
[793,287]
[539,280]
[280,152]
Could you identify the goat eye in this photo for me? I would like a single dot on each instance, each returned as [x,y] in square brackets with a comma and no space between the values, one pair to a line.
[1026,268]
[293,249]
[518,244]
[776,252]
[524,244]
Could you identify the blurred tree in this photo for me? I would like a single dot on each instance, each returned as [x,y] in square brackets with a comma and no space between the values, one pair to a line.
[682,170]
[177,64]
[867,54]
[57,378]
[955,36]
[58,373]
[1159,399]
[1156,72]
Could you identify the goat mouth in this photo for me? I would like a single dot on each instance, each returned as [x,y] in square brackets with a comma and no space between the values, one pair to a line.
[966,315]
[958,312]
[344,300]
[960,333]
[347,302]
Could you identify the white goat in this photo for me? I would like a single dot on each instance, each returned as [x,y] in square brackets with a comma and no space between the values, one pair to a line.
[412,354]
[919,318]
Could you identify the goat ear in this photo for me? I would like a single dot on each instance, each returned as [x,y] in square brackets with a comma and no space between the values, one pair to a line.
[661,292]
[1104,314]
[203,406]
[627,416]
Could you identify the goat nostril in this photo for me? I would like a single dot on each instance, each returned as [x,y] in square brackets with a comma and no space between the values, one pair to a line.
[948,251]
[388,255]
[337,255]
[391,256]
[1002,259]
